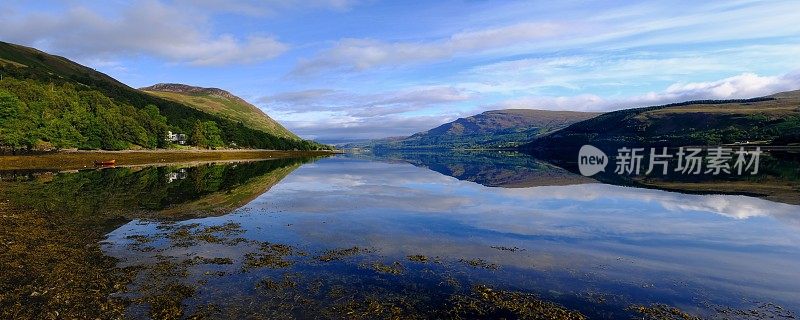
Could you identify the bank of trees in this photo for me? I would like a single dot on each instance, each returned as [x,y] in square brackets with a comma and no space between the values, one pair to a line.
[46,115]
[35,115]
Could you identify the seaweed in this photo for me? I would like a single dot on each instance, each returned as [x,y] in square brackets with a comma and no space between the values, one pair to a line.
[270,256]
[395,268]
[487,303]
[661,312]
[479,263]
[339,254]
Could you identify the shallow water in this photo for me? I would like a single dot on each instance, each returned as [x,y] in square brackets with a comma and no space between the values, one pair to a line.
[417,238]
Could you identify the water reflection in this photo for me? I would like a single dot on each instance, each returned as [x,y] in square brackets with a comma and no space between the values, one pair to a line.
[51,224]
[506,169]
[166,191]
[367,239]
[778,178]
[358,238]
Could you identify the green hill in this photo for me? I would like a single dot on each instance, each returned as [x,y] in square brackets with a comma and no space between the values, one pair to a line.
[50,102]
[491,129]
[221,103]
[773,119]
[40,64]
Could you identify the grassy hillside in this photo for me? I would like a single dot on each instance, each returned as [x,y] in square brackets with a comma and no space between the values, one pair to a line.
[768,120]
[491,129]
[221,103]
[41,94]
[40,64]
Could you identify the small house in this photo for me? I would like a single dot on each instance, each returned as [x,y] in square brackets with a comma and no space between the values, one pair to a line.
[179,138]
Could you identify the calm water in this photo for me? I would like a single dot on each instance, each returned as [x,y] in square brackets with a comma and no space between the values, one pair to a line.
[358,237]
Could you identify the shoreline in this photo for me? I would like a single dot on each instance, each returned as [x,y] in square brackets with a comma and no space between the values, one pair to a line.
[83,159]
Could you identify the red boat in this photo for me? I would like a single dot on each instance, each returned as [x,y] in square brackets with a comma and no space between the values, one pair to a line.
[105,163]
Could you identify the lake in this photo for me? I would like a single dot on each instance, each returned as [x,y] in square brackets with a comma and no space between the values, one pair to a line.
[362,236]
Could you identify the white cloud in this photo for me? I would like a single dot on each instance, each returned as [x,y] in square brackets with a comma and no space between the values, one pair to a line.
[332,125]
[708,22]
[298,98]
[365,105]
[604,29]
[586,102]
[577,72]
[149,27]
[266,7]
[622,71]
[336,114]
[361,54]
[745,85]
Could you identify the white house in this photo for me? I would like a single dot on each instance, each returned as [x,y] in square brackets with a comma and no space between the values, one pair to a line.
[179,138]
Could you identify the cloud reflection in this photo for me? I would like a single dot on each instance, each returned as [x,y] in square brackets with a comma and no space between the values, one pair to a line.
[583,210]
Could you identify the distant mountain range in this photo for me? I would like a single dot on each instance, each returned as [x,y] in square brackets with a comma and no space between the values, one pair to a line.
[491,129]
[772,119]
[50,102]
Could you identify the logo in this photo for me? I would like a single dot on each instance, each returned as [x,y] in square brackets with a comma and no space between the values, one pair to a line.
[686,161]
[591,160]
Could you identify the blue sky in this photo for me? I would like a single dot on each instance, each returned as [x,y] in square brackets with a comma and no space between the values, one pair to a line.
[350,69]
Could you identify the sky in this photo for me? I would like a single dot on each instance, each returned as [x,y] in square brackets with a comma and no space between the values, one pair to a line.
[340,70]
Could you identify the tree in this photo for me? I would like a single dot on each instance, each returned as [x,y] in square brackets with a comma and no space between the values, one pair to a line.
[156,124]
[17,130]
[9,105]
[198,137]
[212,134]
[61,134]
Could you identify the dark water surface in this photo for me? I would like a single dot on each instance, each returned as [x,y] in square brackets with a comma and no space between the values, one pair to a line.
[354,237]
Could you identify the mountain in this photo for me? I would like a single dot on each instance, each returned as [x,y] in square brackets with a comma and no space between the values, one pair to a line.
[221,103]
[49,102]
[51,66]
[772,119]
[491,129]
